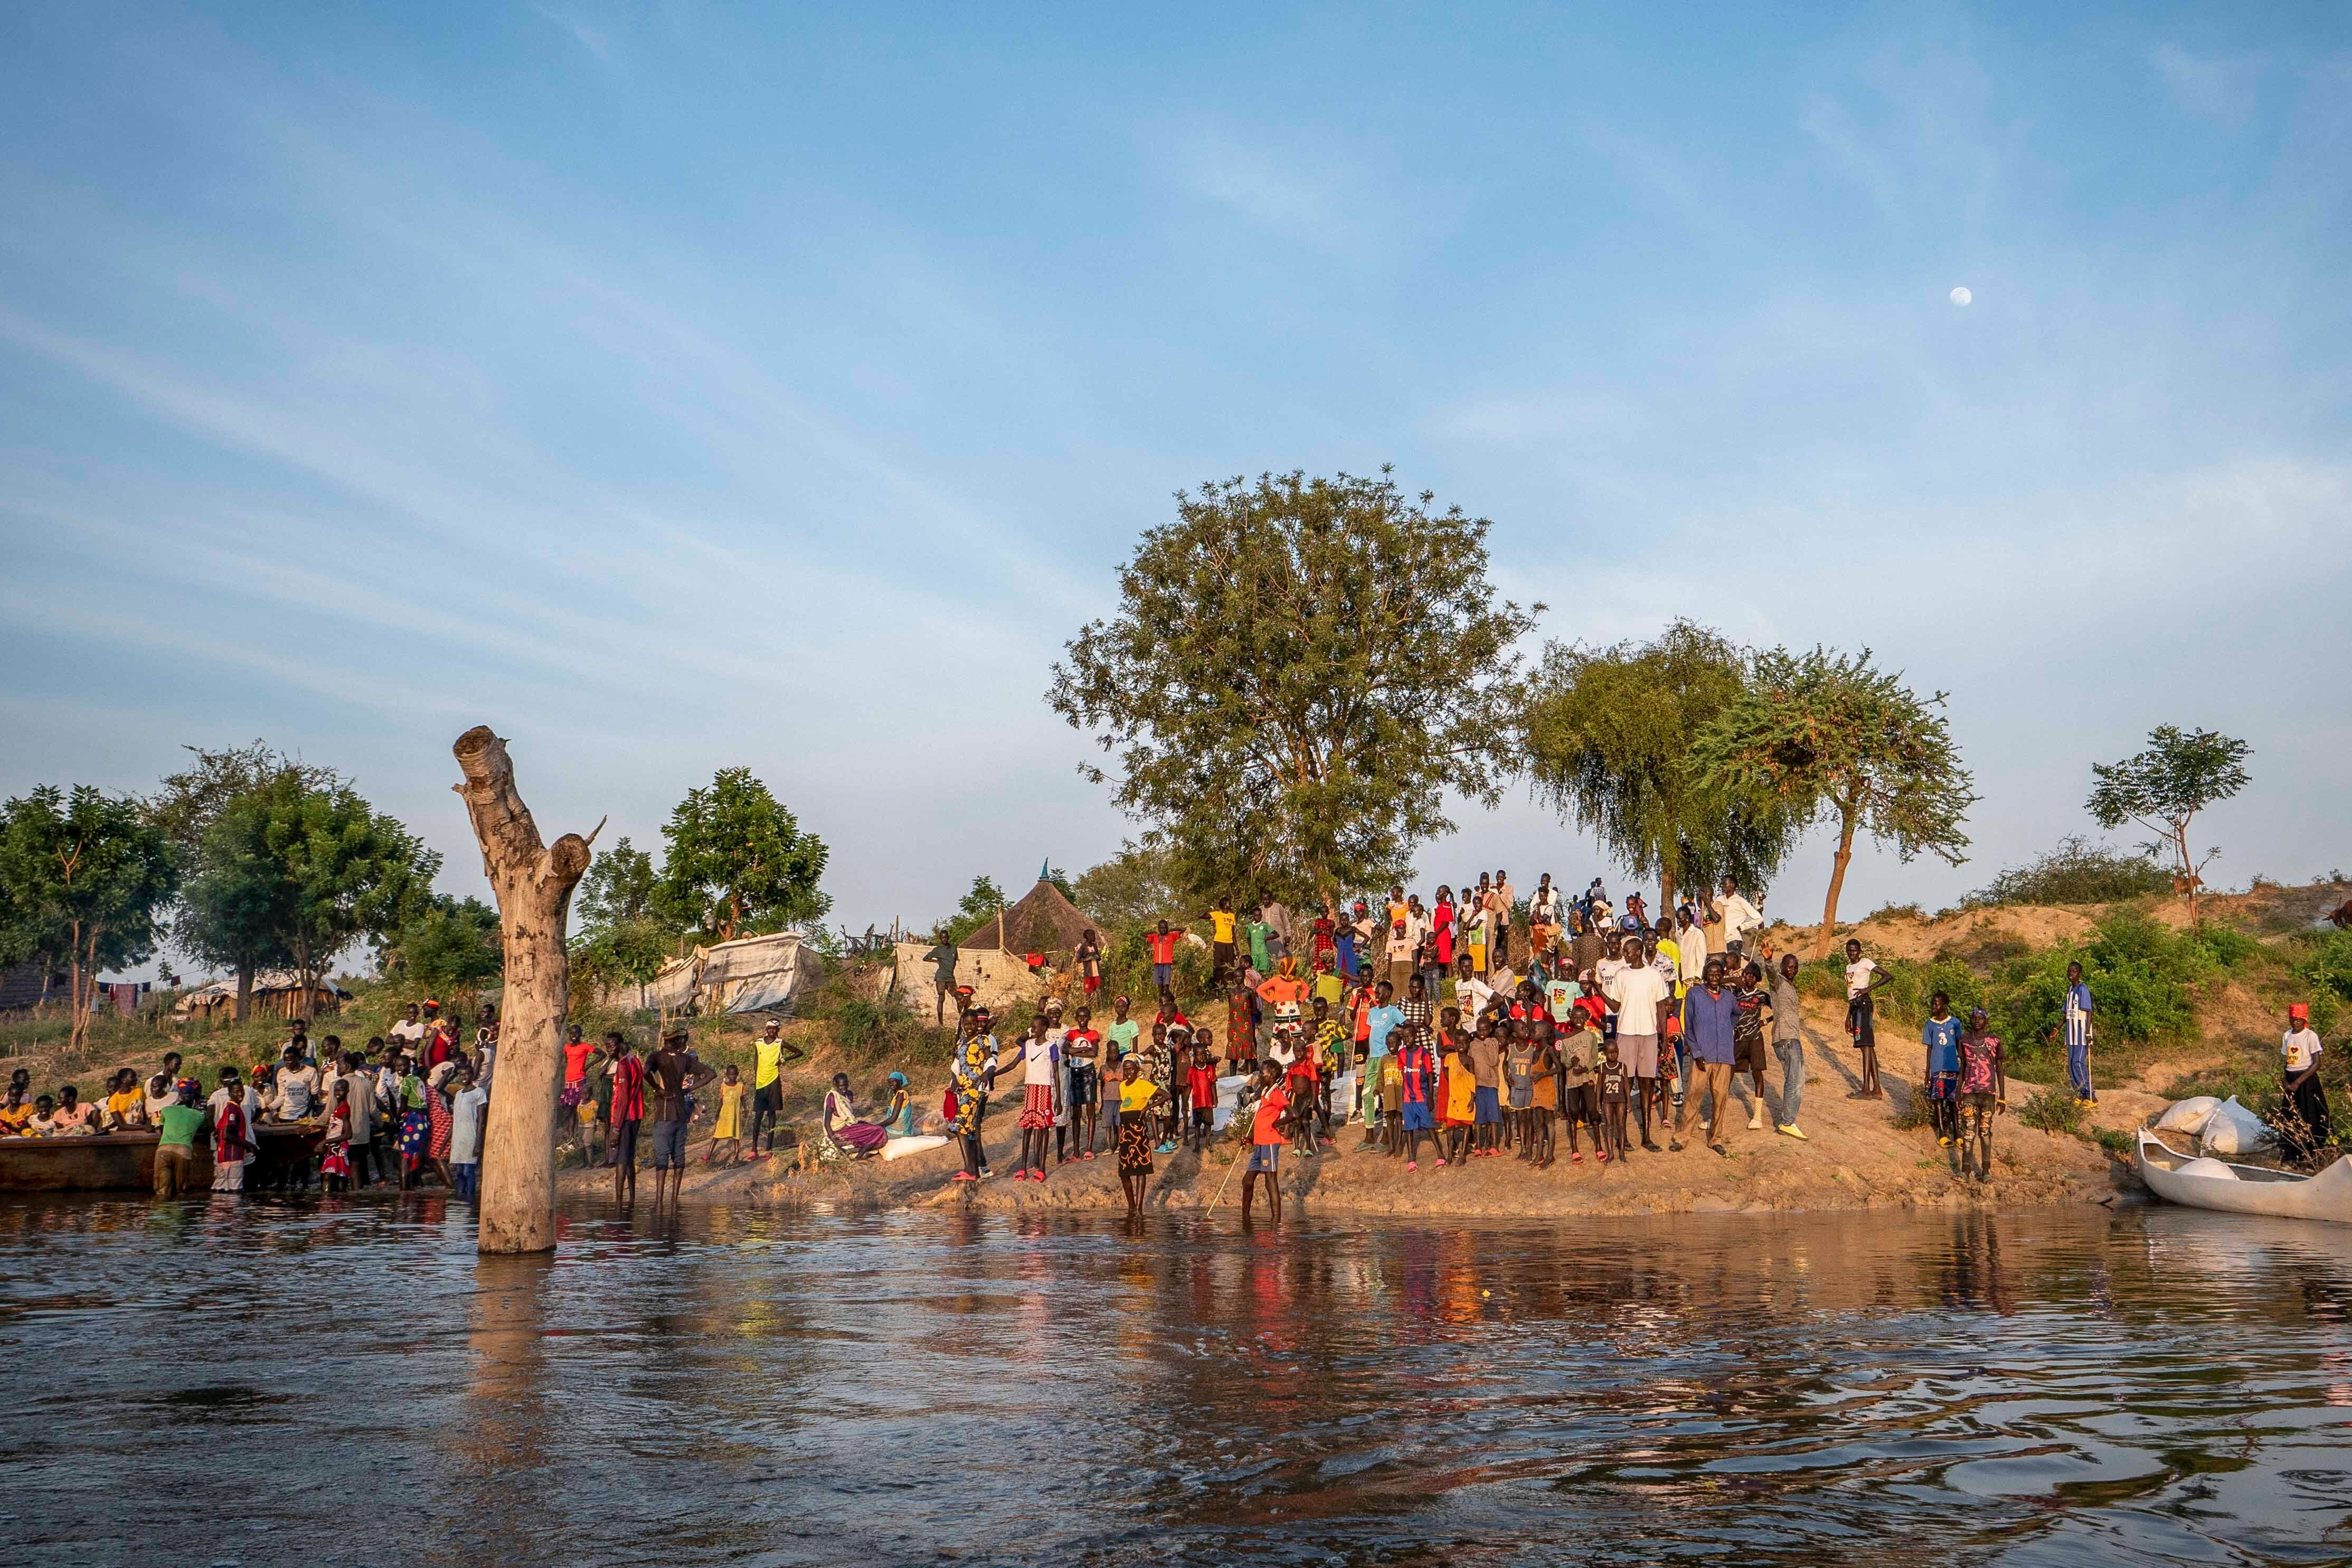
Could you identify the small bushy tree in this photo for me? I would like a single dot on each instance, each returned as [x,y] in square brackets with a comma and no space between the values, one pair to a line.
[2164,787]
[84,877]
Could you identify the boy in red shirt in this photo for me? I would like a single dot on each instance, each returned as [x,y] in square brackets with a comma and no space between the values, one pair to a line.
[1200,1087]
[1266,1142]
[1161,940]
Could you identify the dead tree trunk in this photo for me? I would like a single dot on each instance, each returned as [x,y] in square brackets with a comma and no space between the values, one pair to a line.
[533,882]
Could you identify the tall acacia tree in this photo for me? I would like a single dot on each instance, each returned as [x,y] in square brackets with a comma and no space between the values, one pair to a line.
[84,876]
[1298,672]
[2164,787]
[1826,732]
[1609,734]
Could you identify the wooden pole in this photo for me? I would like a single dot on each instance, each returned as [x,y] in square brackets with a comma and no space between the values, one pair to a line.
[533,882]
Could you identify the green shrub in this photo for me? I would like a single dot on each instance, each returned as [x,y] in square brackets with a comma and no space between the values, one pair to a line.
[2140,972]
[2075,872]
[2053,1111]
[1896,912]
[1821,977]
[2116,1141]
[2323,965]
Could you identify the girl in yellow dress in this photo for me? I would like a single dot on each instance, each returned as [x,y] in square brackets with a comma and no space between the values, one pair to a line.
[728,1135]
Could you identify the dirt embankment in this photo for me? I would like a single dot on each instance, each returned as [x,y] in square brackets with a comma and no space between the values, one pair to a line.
[1854,1157]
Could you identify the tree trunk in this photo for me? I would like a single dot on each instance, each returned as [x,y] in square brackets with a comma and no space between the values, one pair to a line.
[1665,893]
[1837,882]
[2180,848]
[77,1009]
[533,883]
[244,991]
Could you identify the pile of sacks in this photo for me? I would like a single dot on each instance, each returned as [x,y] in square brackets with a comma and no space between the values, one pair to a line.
[2221,1128]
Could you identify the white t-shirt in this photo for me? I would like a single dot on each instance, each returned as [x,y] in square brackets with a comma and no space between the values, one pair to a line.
[1604,975]
[1471,998]
[1639,991]
[465,1125]
[1739,916]
[1857,977]
[408,1031]
[2301,1048]
[1560,996]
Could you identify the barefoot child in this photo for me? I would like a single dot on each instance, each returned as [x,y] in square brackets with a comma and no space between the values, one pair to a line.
[1613,1079]
[1984,1092]
[1941,1074]
[1417,1083]
[1201,1092]
[1083,1047]
[727,1132]
[1266,1141]
[1579,1099]
[1458,1101]
[1140,1101]
[1041,1098]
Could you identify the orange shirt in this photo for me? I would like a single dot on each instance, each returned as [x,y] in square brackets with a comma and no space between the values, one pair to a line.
[1163,945]
[1269,1111]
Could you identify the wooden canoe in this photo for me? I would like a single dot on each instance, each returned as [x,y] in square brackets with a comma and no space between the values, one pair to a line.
[2326,1197]
[125,1162]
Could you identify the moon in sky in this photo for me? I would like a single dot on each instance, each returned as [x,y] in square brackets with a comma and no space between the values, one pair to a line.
[1961,296]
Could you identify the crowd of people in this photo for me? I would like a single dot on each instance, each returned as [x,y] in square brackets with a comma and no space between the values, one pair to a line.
[1473,1026]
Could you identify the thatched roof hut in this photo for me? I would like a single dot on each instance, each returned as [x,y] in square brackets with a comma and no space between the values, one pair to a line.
[1043,921]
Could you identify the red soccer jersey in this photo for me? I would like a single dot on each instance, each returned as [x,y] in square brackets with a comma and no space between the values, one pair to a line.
[1162,946]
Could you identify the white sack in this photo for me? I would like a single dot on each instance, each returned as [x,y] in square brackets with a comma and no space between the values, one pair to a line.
[2187,1116]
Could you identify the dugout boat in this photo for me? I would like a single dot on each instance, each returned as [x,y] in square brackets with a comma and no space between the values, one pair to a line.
[2205,1183]
[125,1162]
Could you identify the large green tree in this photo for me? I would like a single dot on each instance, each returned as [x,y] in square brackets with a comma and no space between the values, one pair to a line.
[738,862]
[2163,788]
[1609,736]
[295,869]
[1298,672]
[622,938]
[448,946]
[84,879]
[1827,734]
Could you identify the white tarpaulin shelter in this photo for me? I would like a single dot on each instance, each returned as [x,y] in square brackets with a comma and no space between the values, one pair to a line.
[751,975]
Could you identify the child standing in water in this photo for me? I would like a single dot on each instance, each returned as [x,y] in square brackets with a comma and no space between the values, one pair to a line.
[1201,1092]
[1139,1102]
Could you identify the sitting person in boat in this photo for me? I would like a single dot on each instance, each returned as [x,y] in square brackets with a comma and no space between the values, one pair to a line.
[45,1118]
[125,1109]
[75,1116]
[856,1136]
[15,1114]
[162,1093]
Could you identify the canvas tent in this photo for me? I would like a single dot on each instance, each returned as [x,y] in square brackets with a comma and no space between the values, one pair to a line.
[750,974]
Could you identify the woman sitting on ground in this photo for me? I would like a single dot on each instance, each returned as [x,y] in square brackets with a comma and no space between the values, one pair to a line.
[857,1138]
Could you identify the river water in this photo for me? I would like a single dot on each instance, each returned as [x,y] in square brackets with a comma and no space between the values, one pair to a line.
[301,1381]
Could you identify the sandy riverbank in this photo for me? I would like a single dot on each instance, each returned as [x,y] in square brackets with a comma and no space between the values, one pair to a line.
[1854,1157]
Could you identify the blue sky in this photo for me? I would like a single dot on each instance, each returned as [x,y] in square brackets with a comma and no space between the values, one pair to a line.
[673,388]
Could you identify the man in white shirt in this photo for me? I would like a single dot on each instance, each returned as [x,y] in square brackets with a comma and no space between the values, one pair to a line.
[1740,917]
[2307,1127]
[1471,993]
[1690,942]
[408,1035]
[1644,998]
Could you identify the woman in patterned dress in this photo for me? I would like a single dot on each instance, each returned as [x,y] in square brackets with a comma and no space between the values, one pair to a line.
[1138,1099]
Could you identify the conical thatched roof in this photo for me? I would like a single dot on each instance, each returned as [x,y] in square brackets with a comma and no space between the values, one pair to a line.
[1043,921]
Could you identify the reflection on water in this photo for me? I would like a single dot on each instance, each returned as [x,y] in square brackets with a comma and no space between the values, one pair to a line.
[344,1381]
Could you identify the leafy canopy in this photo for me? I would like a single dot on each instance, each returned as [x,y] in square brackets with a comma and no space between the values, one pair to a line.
[1130,889]
[975,909]
[1298,672]
[1827,731]
[450,946]
[738,862]
[84,876]
[619,888]
[1609,734]
[2164,787]
[192,800]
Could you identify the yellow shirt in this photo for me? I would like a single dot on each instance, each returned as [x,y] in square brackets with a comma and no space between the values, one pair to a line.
[121,1106]
[1221,926]
[765,1052]
[1136,1096]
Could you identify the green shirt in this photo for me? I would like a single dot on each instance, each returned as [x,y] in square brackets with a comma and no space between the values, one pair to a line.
[180,1124]
[1122,1041]
[1260,958]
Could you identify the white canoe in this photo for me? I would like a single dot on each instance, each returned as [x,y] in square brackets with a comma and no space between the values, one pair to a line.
[2248,1189]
